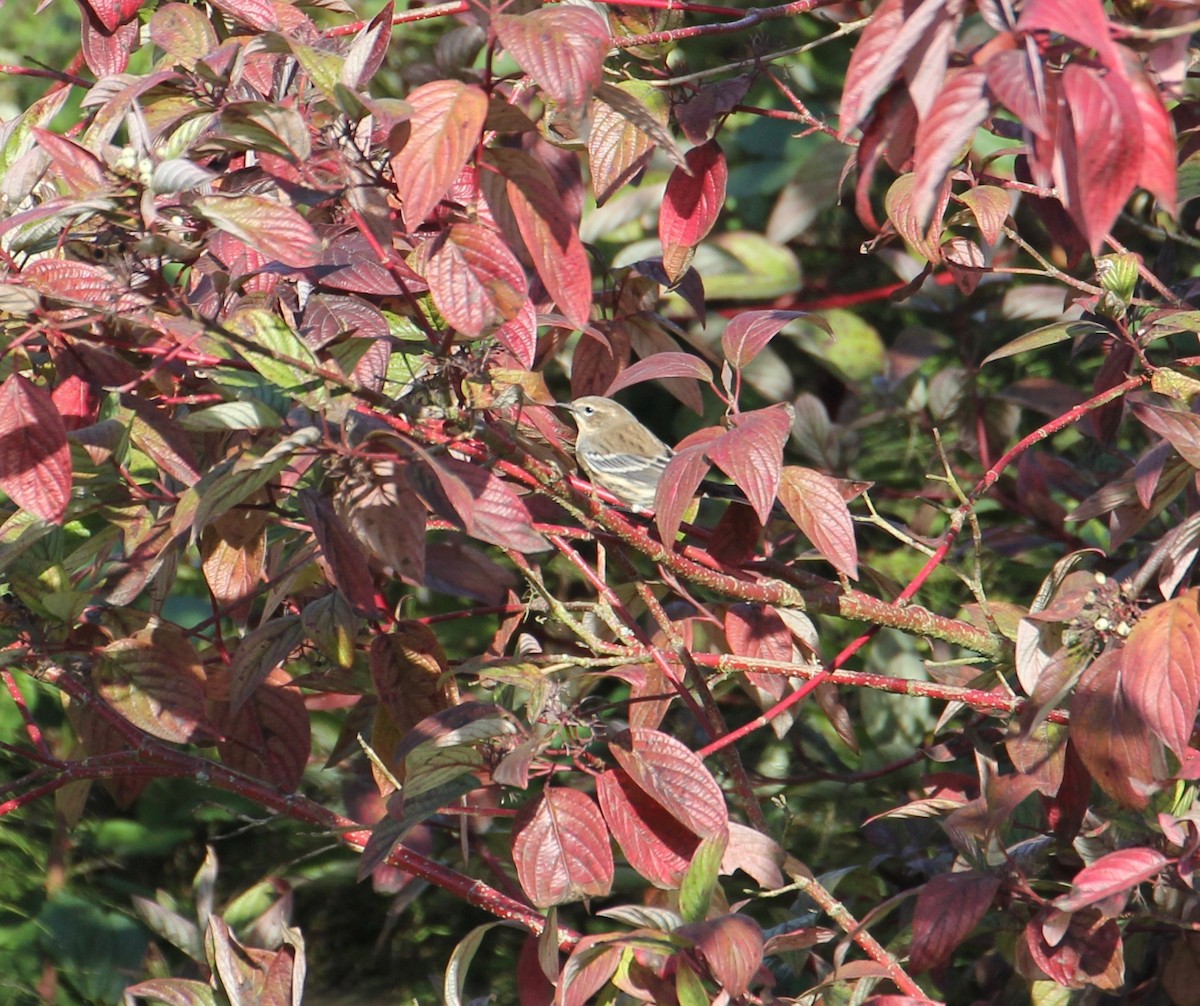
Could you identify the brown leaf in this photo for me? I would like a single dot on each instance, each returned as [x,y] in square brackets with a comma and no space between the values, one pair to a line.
[155,680]
[270,737]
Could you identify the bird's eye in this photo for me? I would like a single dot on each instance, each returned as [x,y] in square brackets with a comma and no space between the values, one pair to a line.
[589,410]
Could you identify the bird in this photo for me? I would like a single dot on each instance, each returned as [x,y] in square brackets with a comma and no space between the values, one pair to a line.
[617,452]
[620,455]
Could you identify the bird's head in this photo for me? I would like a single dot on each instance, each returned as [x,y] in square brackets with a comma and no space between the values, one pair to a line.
[593,412]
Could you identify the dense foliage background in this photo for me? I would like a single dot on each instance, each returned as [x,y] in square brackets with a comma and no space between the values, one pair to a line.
[325,672]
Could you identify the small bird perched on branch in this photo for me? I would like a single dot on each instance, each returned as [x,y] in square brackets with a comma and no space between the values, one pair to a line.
[619,454]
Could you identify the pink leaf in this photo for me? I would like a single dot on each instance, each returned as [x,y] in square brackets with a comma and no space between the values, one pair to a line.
[674,777]
[1110,879]
[748,333]
[561,848]
[443,131]
[819,510]
[1082,20]
[519,334]
[755,854]
[751,454]
[1159,173]
[561,48]
[35,461]
[475,281]
[691,204]
[1162,670]
[107,52]
[948,908]
[258,14]
[658,366]
[368,49]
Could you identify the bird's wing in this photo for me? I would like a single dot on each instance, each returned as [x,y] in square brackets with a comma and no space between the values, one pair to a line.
[630,466]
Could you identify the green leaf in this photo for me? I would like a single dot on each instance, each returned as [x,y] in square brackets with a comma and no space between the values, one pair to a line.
[1048,335]
[246,415]
[695,893]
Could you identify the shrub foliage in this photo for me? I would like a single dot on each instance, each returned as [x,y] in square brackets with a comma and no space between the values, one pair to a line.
[291,528]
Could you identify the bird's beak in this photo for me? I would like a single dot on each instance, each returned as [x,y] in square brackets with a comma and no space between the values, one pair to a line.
[567,406]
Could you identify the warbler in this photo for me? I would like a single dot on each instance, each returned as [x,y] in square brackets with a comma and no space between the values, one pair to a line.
[619,454]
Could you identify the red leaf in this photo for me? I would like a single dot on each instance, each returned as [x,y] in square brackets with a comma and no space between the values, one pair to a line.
[561,849]
[948,908]
[897,29]
[748,334]
[680,480]
[590,966]
[1111,736]
[691,204]
[491,510]
[443,131]
[1110,879]
[757,631]
[1162,670]
[1181,429]
[258,14]
[369,48]
[658,366]
[107,52]
[519,334]
[475,281]
[1158,174]
[945,133]
[266,225]
[549,233]
[561,48]
[674,777]
[82,172]
[751,454]
[107,12]
[1103,159]
[1013,80]
[815,503]
[1082,20]
[35,461]
[732,946]
[655,844]
[1089,953]
[350,264]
